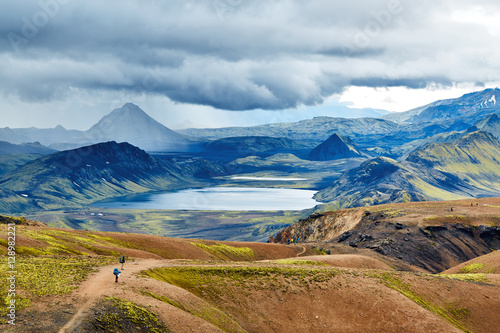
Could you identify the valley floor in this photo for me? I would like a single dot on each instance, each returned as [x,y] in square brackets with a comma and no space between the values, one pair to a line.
[215,225]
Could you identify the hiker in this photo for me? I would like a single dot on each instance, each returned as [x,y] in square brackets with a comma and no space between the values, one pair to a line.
[116,272]
[122,261]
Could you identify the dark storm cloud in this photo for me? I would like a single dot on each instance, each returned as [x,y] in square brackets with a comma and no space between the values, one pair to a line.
[239,54]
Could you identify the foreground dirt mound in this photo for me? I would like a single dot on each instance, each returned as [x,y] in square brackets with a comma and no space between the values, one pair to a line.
[322,299]
[183,296]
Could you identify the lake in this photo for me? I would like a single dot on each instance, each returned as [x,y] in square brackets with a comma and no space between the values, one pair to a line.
[218,198]
[287,179]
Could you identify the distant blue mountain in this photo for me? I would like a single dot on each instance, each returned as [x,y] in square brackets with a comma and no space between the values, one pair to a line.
[25,148]
[252,145]
[131,124]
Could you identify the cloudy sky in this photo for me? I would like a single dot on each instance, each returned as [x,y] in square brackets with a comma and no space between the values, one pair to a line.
[234,62]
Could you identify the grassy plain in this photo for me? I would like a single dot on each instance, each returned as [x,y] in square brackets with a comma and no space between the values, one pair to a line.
[215,225]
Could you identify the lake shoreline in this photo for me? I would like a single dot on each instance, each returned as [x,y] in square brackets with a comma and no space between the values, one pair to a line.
[229,198]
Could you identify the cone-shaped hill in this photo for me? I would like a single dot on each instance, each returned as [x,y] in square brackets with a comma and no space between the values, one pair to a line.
[335,147]
[131,124]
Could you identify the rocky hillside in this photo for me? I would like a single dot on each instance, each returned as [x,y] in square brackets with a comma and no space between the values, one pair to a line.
[434,236]
[85,175]
[474,159]
[335,147]
[383,180]
[9,162]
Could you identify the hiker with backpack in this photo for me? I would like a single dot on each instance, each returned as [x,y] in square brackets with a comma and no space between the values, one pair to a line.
[116,272]
[122,261]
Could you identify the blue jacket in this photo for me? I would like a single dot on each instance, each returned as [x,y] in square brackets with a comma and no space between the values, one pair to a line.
[116,271]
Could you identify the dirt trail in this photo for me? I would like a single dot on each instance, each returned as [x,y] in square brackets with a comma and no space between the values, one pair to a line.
[302,252]
[103,283]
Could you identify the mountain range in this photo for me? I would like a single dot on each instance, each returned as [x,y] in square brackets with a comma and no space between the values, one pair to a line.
[126,124]
[383,136]
[317,129]
[445,150]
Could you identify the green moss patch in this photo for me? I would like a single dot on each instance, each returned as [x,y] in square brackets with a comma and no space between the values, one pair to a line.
[226,252]
[212,281]
[467,277]
[472,268]
[123,316]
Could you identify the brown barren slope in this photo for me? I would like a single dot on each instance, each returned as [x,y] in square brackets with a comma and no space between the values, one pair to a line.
[487,264]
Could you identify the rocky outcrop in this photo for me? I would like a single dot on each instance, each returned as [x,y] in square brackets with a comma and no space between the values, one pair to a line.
[321,227]
[432,247]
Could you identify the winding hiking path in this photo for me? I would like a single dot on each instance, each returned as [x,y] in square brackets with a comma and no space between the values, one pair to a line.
[103,283]
[302,252]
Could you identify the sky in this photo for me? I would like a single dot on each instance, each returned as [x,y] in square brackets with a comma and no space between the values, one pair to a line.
[213,63]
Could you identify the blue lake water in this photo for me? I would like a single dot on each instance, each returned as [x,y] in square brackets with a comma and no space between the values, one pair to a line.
[218,198]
